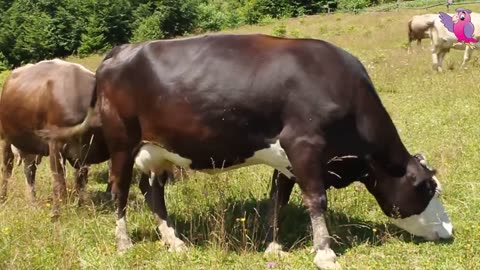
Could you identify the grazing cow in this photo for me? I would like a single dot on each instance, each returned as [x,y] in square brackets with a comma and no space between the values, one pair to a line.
[30,163]
[444,40]
[213,103]
[419,27]
[50,93]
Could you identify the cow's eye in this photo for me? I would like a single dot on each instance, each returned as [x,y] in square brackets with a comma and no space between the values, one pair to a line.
[462,17]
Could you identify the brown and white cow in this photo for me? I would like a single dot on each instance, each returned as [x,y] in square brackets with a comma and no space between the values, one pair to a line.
[218,102]
[49,93]
[419,27]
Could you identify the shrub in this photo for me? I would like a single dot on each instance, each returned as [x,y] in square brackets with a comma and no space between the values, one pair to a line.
[178,17]
[148,29]
[280,30]
[211,17]
[94,39]
[353,5]
[3,63]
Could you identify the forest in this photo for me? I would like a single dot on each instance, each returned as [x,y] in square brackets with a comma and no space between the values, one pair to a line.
[33,30]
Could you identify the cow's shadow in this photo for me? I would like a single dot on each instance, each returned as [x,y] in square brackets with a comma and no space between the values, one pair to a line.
[99,176]
[226,228]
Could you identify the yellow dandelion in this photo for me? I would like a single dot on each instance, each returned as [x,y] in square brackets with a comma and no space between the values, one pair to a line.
[374,229]
[47,205]
[242,219]
[6,230]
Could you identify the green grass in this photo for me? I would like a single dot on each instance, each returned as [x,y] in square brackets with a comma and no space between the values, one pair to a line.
[436,114]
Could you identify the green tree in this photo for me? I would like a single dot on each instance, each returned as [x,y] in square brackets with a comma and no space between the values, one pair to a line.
[116,18]
[178,17]
[93,40]
[34,42]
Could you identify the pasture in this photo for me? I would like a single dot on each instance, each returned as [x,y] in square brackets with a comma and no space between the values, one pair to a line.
[222,217]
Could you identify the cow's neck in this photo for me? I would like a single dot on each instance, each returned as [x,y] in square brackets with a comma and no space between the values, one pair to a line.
[384,146]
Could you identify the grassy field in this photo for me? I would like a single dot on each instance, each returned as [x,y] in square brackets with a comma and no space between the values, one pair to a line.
[436,114]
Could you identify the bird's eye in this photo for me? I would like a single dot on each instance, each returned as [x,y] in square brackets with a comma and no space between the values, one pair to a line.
[462,17]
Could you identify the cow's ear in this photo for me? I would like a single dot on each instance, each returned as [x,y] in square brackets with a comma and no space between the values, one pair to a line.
[420,157]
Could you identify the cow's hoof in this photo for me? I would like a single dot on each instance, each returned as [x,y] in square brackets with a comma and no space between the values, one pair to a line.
[326,259]
[178,247]
[275,249]
[31,199]
[123,245]
[83,199]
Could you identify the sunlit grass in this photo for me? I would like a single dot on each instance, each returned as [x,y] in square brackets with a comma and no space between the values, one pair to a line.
[436,114]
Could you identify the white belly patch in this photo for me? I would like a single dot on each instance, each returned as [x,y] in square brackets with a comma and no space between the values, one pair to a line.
[153,158]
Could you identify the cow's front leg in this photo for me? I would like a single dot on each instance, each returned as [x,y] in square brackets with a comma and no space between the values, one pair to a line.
[155,198]
[57,166]
[441,57]
[279,195]
[81,178]
[304,153]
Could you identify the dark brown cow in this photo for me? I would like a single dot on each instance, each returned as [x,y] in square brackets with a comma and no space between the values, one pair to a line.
[218,102]
[50,93]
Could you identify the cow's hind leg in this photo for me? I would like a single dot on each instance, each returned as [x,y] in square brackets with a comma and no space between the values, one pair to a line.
[30,170]
[279,195]
[155,198]
[305,153]
[81,178]
[7,169]
[435,61]
[120,178]
[57,166]
[441,56]
[466,56]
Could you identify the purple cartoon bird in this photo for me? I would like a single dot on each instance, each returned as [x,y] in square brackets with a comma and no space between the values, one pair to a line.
[460,24]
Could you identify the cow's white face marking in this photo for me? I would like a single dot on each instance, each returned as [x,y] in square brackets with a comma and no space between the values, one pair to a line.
[433,223]
[153,158]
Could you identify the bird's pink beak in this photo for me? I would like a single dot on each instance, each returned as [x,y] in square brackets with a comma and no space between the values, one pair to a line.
[455,18]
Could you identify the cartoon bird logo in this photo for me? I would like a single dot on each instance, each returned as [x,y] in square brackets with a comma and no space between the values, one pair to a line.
[460,24]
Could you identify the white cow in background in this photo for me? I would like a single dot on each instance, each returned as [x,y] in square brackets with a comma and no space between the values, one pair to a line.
[419,27]
[443,40]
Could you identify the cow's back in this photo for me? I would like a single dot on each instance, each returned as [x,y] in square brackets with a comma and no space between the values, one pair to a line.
[197,95]
[52,92]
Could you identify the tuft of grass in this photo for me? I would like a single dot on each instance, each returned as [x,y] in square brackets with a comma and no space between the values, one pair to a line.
[223,217]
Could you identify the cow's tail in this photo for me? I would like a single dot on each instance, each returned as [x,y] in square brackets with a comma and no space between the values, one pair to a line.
[410,32]
[67,132]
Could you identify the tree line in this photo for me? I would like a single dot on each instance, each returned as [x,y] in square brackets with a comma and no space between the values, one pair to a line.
[33,30]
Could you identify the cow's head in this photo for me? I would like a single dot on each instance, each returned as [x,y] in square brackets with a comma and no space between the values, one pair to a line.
[413,200]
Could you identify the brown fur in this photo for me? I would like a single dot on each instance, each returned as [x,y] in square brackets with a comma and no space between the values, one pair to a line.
[48,94]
